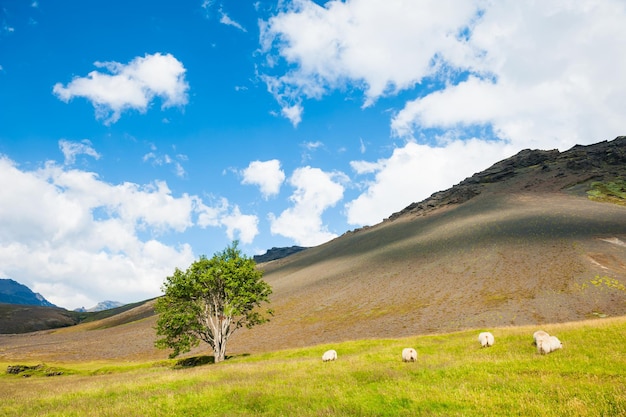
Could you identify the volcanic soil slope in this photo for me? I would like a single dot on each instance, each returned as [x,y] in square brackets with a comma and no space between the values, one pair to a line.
[519,243]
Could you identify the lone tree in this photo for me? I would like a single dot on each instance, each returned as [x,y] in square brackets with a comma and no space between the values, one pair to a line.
[209,301]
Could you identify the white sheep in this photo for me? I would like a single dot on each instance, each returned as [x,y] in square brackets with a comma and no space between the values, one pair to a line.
[544,344]
[329,355]
[555,343]
[486,339]
[409,355]
[537,334]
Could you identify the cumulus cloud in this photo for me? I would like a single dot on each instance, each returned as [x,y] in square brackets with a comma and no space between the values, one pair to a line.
[266,174]
[381,46]
[536,73]
[549,84]
[72,149]
[315,191]
[243,227]
[483,80]
[79,240]
[413,172]
[129,86]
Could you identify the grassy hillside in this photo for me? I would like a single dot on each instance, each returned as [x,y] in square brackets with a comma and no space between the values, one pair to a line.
[452,377]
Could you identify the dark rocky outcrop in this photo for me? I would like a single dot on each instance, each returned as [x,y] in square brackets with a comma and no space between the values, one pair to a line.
[277,253]
[542,171]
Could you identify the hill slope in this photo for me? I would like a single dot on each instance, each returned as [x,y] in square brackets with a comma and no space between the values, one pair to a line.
[519,243]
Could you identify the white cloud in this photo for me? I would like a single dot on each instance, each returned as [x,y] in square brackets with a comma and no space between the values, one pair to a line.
[206,5]
[362,147]
[382,46]
[79,240]
[210,215]
[309,149]
[130,86]
[52,237]
[243,227]
[267,175]
[488,79]
[535,72]
[413,172]
[226,20]
[166,159]
[293,113]
[311,146]
[366,167]
[315,191]
[72,149]
[550,84]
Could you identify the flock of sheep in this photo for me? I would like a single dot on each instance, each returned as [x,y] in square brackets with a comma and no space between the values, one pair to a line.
[544,342]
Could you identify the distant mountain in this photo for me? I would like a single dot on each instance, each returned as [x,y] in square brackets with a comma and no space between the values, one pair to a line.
[277,253]
[12,292]
[101,306]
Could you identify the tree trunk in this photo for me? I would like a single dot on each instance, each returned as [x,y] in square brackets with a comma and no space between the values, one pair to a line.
[220,352]
[220,334]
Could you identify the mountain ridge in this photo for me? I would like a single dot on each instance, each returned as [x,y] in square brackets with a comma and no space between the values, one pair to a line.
[599,162]
[12,292]
[101,306]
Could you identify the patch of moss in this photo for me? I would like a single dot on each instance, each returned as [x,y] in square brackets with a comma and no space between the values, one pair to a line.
[36,370]
[608,192]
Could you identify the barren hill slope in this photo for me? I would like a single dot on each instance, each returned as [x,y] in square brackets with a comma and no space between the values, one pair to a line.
[519,243]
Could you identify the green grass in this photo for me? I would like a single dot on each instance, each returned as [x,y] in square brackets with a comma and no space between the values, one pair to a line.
[610,192]
[452,377]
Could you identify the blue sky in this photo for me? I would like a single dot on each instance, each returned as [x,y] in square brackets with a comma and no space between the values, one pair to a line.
[137,136]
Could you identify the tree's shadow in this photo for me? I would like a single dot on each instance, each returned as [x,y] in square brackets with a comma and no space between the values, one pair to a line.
[194,361]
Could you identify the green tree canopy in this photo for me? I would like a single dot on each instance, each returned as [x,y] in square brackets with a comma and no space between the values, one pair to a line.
[210,301]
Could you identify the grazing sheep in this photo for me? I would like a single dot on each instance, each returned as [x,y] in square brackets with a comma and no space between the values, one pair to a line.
[544,344]
[409,355]
[555,343]
[486,339]
[329,355]
[537,334]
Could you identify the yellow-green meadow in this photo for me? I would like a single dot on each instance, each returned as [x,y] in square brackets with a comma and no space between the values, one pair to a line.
[453,376]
